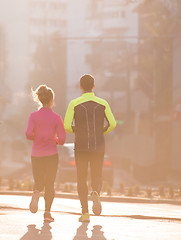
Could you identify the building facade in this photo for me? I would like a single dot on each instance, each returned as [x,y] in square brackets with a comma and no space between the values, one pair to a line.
[115,28]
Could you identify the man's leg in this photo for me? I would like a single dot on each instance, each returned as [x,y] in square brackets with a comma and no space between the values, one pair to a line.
[96,164]
[82,160]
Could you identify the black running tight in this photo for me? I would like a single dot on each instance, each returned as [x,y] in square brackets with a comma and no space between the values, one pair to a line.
[44,174]
[96,164]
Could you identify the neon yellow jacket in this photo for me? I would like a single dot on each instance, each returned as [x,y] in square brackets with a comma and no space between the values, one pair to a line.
[86,117]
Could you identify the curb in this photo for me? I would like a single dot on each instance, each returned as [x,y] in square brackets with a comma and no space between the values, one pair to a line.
[103,198]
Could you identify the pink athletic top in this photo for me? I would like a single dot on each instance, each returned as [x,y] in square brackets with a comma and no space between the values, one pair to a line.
[45,128]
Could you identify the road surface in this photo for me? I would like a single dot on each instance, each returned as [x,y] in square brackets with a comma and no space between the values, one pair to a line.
[119,221]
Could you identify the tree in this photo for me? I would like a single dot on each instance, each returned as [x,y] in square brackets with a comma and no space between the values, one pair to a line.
[155,53]
[4,90]
[2,55]
[155,72]
[50,68]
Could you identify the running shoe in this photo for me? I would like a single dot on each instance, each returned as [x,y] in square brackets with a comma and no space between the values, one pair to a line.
[48,217]
[34,202]
[85,217]
[97,207]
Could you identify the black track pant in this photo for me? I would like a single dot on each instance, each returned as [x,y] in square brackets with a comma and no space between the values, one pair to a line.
[44,173]
[96,164]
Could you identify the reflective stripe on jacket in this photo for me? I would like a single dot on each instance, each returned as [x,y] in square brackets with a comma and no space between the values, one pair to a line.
[89,117]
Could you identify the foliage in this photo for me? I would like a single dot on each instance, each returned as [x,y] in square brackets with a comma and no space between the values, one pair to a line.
[5,92]
[2,55]
[155,53]
[121,186]
[1,180]
[50,68]
[161,191]
[11,184]
[171,192]
[149,192]
[179,191]
[130,192]
[136,190]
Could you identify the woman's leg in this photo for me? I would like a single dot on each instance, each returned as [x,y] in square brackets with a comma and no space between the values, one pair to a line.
[51,165]
[38,175]
[38,169]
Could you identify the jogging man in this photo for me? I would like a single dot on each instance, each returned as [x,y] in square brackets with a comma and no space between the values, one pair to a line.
[89,117]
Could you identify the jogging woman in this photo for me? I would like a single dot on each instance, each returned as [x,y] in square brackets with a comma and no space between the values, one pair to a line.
[46,130]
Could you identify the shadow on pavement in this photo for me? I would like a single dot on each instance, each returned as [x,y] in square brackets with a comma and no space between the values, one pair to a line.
[141,217]
[151,218]
[81,233]
[97,233]
[37,234]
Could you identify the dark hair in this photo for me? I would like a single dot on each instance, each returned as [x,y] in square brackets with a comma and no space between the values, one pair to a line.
[43,94]
[87,82]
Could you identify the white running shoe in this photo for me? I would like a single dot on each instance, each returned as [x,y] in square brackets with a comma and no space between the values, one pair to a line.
[48,217]
[34,202]
[97,207]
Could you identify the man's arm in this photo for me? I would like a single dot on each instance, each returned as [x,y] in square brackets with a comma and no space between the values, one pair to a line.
[69,116]
[110,118]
